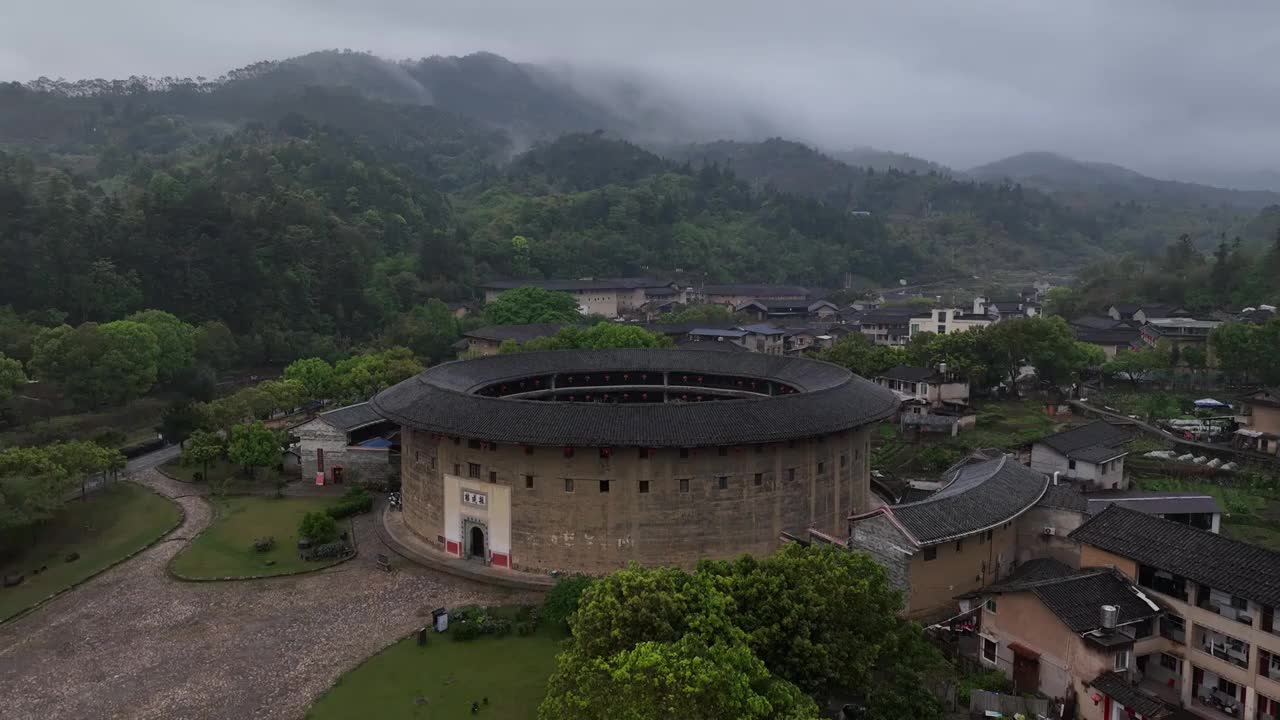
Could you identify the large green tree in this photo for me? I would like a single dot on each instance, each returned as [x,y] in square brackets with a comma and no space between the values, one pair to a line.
[315,376]
[818,621]
[527,305]
[175,340]
[363,376]
[98,365]
[863,357]
[12,377]
[253,446]
[601,336]
[429,330]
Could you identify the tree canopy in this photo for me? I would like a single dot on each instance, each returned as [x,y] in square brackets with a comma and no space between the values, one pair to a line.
[749,638]
[528,305]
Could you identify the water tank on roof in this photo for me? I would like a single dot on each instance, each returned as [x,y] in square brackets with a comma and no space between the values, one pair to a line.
[1110,616]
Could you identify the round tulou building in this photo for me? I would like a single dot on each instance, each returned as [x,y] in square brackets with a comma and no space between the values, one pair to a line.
[581,461]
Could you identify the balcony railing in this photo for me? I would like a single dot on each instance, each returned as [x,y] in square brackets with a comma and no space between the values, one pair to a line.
[1226,648]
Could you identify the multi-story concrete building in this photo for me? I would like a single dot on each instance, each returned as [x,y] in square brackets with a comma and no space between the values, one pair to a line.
[1216,650]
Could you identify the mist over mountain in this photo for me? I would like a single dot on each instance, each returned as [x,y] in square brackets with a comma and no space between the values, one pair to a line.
[1055,173]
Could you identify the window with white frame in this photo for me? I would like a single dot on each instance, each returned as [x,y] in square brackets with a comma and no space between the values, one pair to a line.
[989,650]
[1122,661]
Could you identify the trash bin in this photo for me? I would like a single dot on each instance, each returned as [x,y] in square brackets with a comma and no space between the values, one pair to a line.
[440,619]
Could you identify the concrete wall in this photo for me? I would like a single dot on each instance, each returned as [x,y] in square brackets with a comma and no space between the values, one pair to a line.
[960,567]
[1107,475]
[1265,419]
[880,538]
[1033,543]
[588,530]
[1091,556]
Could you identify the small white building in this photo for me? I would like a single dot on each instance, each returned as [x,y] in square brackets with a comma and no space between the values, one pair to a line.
[1091,454]
[930,387]
[349,443]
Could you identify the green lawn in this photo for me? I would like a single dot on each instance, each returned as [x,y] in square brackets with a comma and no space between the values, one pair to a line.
[226,548]
[442,679]
[106,527]
[221,471]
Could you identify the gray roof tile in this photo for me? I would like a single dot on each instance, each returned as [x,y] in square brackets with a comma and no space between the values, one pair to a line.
[830,399]
[1204,557]
[977,496]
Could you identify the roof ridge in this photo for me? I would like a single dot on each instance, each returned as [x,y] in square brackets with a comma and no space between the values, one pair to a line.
[1181,527]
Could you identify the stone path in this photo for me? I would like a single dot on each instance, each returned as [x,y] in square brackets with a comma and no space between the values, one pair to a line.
[135,643]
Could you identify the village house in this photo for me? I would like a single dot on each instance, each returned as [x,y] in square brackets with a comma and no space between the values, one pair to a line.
[1144,313]
[351,443]
[1092,454]
[1043,530]
[1112,341]
[735,295]
[958,540]
[930,387]
[1178,333]
[1005,308]
[1259,422]
[610,297]
[1053,629]
[1216,649]
[889,325]
[943,321]
[764,338]
[795,310]
[487,340]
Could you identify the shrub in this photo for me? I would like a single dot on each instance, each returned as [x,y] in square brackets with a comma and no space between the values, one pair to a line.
[461,632]
[992,680]
[318,527]
[327,551]
[562,602]
[264,544]
[356,500]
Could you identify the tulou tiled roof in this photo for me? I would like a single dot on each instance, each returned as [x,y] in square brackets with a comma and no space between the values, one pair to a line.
[352,417]
[977,497]
[829,399]
[1206,558]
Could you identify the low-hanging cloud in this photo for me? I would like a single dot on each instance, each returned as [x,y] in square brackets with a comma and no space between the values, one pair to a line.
[1169,87]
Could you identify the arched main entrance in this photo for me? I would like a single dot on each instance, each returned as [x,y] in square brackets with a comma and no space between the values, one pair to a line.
[476,544]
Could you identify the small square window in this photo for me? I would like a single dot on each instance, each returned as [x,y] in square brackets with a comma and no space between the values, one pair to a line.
[791,474]
[1071,464]
[821,467]
[431,462]
[568,452]
[759,448]
[1122,661]
[606,453]
[528,449]
[493,447]
[959,545]
[722,451]
[644,487]
[417,456]
[684,485]
[931,553]
[991,605]
[684,453]
[568,484]
[844,461]
[644,453]
[723,482]
[989,534]
[456,441]
[473,444]
[493,476]
[989,650]
[759,479]
[457,469]
[604,486]
[473,470]
[528,482]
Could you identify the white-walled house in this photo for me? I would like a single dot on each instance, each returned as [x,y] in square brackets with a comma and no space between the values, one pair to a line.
[932,387]
[1092,454]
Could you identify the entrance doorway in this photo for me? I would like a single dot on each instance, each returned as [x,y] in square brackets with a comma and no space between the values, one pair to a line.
[476,546]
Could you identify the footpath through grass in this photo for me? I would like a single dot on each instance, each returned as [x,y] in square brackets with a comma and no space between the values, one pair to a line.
[109,525]
[442,679]
[225,549]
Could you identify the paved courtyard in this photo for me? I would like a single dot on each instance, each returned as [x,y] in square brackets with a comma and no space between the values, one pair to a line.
[134,643]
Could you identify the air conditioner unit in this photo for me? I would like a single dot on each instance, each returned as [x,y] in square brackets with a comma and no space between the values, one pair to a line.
[1049,531]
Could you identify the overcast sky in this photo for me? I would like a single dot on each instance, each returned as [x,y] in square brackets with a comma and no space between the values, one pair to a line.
[1155,85]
